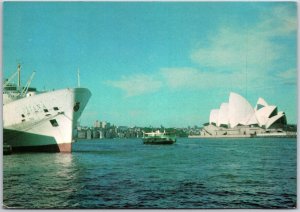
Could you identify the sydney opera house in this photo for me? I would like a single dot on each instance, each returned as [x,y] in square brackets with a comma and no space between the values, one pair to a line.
[238,118]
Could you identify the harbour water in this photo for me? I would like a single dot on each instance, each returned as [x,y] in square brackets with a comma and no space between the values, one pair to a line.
[124,173]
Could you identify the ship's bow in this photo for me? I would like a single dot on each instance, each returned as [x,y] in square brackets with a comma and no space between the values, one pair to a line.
[76,100]
[46,121]
[81,97]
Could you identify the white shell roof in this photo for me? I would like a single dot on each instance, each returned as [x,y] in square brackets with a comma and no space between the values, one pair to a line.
[213,117]
[252,120]
[240,110]
[273,119]
[263,114]
[223,114]
[262,102]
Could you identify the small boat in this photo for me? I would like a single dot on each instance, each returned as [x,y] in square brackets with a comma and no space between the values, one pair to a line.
[158,137]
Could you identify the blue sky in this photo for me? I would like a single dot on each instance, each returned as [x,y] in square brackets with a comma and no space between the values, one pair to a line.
[157,63]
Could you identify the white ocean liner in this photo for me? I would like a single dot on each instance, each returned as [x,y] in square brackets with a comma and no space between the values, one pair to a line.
[41,121]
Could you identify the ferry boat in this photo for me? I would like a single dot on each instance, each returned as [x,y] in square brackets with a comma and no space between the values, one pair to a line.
[158,137]
[41,121]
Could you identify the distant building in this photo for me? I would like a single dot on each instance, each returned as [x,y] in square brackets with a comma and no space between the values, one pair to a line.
[97,124]
[89,134]
[107,125]
[104,124]
[101,134]
[81,134]
[96,134]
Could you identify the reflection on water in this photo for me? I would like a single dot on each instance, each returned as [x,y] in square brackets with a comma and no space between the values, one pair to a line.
[38,179]
[193,173]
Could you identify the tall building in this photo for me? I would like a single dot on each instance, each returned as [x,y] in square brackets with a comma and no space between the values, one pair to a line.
[97,124]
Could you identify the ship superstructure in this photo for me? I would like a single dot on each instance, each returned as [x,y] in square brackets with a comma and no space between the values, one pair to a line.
[158,137]
[41,121]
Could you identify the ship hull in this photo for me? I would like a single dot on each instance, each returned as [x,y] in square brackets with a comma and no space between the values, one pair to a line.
[158,140]
[30,142]
[44,122]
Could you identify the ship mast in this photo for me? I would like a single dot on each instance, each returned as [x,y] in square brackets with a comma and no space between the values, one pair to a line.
[25,89]
[78,78]
[19,76]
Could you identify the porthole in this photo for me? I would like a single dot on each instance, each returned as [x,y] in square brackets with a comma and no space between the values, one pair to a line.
[54,122]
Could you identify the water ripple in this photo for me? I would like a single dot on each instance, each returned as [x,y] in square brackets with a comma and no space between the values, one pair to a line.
[194,173]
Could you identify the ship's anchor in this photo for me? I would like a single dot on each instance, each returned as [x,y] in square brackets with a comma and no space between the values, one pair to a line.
[76,106]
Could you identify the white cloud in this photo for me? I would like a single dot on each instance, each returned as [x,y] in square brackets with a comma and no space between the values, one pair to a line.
[250,53]
[236,50]
[193,78]
[180,77]
[288,76]
[280,21]
[234,57]
[137,84]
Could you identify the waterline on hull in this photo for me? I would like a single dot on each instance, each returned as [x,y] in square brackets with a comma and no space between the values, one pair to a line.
[63,148]
[30,142]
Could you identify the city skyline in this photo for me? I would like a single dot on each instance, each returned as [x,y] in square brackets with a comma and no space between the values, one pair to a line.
[157,63]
